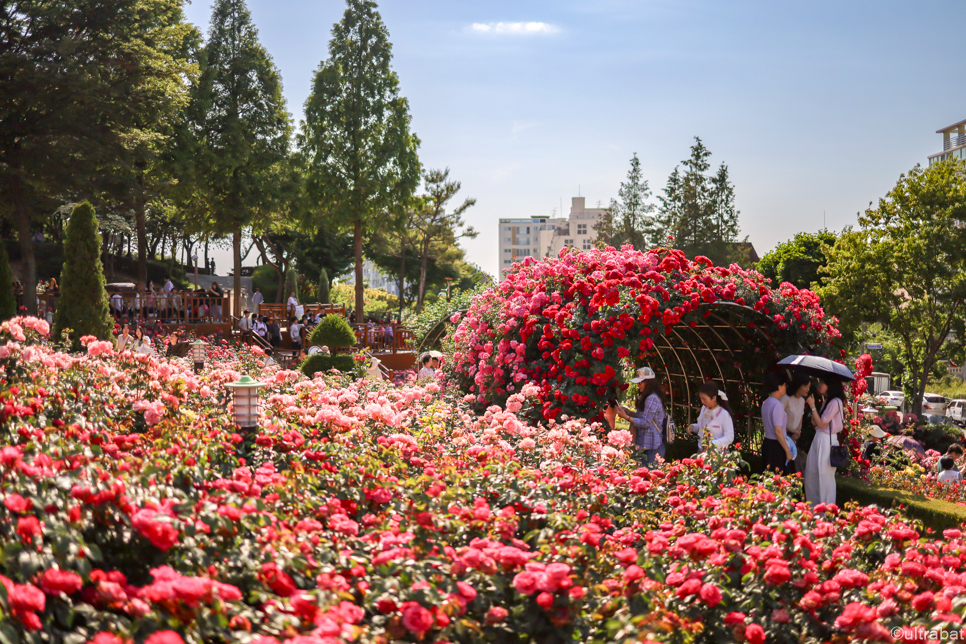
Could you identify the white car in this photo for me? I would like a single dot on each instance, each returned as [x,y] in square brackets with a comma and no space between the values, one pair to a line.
[934,404]
[956,411]
[893,399]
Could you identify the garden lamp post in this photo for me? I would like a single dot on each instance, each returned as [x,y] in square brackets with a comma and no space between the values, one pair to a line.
[194,260]
[245,404]
[198,354]
[449,284]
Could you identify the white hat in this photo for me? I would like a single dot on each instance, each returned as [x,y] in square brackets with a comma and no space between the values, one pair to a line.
[644,373]
[877,432]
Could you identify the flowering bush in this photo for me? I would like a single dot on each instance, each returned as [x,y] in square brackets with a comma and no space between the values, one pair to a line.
[369,513]
[572,324]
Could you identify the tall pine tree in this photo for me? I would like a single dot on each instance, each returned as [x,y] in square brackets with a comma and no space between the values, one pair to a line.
[631,220]
[244,129]
[361,155]
[323,292]
[83,305]
[698,210]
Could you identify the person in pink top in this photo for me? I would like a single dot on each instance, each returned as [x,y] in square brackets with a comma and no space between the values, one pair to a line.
[819,473]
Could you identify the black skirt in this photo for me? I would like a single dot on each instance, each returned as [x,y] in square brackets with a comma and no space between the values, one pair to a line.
[773,457]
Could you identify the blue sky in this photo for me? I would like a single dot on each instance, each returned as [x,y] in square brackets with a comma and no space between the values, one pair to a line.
[815,106]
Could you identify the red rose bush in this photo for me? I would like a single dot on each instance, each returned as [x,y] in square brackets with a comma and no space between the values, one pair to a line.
[368,512]
[570,324]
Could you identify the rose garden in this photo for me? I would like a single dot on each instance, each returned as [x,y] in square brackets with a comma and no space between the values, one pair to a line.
[489,505]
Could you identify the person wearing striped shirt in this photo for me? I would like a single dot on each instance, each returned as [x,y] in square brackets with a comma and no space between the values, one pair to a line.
[648,421]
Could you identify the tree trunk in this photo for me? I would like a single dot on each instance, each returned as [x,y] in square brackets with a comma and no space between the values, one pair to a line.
[402,276]
[236,282]
[360,288]
[423,262]
[27,254]
[206,256]
[141,226]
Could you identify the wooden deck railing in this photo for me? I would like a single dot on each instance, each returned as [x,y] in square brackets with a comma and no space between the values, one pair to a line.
[385,338]
[283,312]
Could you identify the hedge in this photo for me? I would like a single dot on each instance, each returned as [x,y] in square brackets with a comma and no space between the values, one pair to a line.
[334,332]
[933,513]
[323,362]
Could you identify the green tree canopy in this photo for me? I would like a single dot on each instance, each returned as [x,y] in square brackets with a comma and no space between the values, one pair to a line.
[798,260]
[83,305]
[905,268]
[244,130]
[631,219]
[360,154]
[83,84]
[698,210]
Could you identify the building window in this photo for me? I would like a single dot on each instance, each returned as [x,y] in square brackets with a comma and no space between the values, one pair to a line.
[507,250]
[508,240]
[568,242]
[581,229]
[587,245]
[553,227]
[506,228]
[535,251]
[507,261]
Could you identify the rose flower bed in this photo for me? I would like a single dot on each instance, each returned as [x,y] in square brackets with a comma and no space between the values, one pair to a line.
[373,513]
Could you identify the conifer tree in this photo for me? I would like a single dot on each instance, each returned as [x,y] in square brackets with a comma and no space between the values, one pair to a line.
[631,220]
[83,305]
[361,157]
[244,129]
[698,210]
[291,284]
[323,292]
[8,301]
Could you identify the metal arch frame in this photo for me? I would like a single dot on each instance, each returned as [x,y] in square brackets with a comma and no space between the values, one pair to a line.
[437,328]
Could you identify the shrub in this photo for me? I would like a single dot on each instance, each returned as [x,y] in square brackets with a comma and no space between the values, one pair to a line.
[935,513]
[323,292]
[323,362]
[333,332]
[265,278]
[8,301]
[291,284]
[83,305]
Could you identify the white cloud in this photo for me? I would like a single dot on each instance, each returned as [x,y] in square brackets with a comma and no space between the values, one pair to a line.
[514,28]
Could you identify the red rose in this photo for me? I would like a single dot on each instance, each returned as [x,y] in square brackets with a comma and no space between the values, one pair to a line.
[734,618]
[496,615]
[755,634]
[923,601]
[18,504]
[710,594]
[776,575]
[418,620]
[28,528]
[164,637]
[55,580]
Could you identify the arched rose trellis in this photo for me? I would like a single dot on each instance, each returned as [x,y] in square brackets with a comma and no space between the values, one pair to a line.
[574,324]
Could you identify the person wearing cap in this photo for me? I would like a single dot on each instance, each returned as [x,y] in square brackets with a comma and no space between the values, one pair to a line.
[870,448]
[649,421]
[715,426]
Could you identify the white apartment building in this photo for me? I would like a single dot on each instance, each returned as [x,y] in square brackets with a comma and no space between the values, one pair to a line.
[545,236]
[372,278]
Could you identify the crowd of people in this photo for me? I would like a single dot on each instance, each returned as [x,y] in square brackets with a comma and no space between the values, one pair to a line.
[783,412]
[170,303]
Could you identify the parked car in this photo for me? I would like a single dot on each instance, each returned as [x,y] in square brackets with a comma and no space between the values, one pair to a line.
[934,404]
[893,399]
[956,411]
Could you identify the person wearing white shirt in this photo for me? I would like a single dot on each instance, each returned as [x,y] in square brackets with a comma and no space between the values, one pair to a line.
[168,285]
[426,372]
[257,300]
[292,303]
[295,332]
[715,425]
[117,303]
[950,474]
[245,325]
[794,405]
